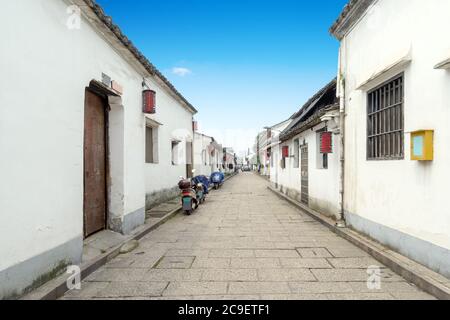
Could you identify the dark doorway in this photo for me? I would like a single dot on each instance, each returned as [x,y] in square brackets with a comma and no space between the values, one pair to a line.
[95,163]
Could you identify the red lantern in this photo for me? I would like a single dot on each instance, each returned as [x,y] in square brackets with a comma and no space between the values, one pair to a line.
[326,142]
[285,152]
[149,101]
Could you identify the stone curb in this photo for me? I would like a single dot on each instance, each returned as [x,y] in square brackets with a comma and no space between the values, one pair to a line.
[56,288]
[424,278]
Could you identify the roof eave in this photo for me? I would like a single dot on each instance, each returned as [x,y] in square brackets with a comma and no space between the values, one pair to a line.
[312,121]
[349,16]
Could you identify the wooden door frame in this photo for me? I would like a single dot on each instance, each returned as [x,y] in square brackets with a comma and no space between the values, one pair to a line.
[98,90]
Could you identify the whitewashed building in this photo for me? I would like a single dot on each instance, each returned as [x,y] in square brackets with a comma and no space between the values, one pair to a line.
[208,155]
[309,149]
[262,149]
[229,160]
[394,85]
[273,150]
[78,154]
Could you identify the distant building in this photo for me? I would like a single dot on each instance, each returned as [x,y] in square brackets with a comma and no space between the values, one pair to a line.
[208,155]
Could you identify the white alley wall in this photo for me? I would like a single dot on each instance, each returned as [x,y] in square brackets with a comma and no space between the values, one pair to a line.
[176,125]
[45,69]
[203,161]
[323,183]
[401,203]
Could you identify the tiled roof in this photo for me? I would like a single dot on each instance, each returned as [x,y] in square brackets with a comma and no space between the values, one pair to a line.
[349,16]
[322,100]
[107,20]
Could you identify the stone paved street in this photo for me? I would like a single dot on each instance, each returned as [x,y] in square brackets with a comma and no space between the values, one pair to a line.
[243,243]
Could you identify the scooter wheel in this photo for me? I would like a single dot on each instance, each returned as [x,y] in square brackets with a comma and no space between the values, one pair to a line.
[188,212]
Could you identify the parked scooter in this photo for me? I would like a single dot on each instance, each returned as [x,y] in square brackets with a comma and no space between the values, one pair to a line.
[188,196]
[192,193]
[204,181]
[217,179]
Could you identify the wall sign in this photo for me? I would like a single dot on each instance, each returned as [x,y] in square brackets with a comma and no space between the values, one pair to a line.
[422,145]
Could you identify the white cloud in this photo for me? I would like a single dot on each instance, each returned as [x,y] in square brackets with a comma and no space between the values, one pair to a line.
[181,71]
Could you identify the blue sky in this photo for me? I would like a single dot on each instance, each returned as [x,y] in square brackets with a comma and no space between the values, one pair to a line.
[244,64]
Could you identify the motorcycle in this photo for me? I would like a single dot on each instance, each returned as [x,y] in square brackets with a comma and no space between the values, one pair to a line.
[193,193]
[204,181]
[188,196]
[217,179]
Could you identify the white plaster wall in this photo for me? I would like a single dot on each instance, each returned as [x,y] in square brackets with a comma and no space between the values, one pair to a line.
[201,150]
[45,69]
[404,195]
[323,183]
[274,163]
[176,125]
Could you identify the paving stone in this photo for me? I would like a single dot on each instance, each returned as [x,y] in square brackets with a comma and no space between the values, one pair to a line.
[347,253]
[399,287]
[352,275]
[296,297]
[354,263]
[285,275]
[360,296]
[211,263]
[196,288]
[144,262]
[187,253]
[120,262]
[276,254]
[255,263]
[116,275]
[412,296]
[230,275]
[88,289]
[305,263]
[175,263]
[258,287]
[320,287]
[132,289]
[314,253]
[231,253]
[172,275]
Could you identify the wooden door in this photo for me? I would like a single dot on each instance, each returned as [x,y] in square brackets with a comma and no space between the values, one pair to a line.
[94,164]
[305,174]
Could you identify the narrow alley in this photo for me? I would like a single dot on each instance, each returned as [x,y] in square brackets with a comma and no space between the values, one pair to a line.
[243,243]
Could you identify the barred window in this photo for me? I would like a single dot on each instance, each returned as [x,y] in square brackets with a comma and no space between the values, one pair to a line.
[385,121]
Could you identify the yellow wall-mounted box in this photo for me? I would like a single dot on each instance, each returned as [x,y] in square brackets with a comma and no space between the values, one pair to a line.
[422,145]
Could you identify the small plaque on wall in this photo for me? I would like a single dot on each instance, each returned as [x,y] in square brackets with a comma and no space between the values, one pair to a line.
[422,145]
[106,80]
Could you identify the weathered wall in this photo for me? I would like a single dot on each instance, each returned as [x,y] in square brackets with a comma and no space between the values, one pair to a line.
[396,201]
